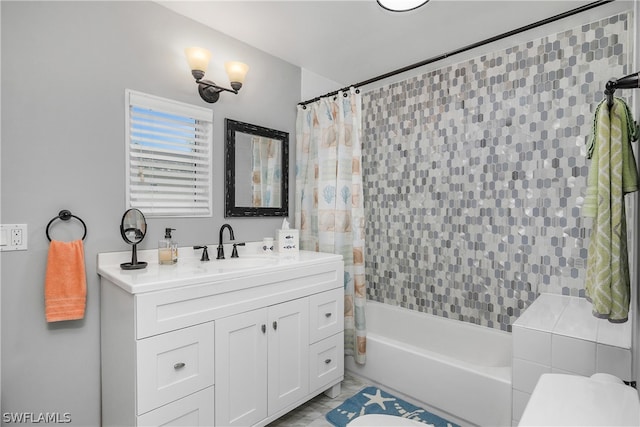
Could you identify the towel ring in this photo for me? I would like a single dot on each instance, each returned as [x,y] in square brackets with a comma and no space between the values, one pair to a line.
[66,215]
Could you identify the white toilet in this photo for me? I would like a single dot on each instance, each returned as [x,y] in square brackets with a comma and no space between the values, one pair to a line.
[571,400]
[380,420]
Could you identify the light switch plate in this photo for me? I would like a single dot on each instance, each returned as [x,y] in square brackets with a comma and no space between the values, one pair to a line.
[13,237]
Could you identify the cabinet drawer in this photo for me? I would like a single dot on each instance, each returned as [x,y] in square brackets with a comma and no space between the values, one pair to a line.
[326,361]
[173,365]
[326,314]
[193,410]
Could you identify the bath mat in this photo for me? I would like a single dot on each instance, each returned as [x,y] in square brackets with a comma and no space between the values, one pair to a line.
[372,400]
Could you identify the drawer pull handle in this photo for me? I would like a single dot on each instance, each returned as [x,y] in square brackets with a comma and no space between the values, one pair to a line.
[327,361]
[179,365]
[327,315]
[264,329]
[275,325]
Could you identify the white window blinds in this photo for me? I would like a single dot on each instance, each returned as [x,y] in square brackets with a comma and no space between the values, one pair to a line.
[168,156]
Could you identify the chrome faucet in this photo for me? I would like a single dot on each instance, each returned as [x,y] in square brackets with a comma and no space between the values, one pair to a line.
[231,237]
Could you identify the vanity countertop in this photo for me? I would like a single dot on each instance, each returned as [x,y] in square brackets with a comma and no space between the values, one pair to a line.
[191,271]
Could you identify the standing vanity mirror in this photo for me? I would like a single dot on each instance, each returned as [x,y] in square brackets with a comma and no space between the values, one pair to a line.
[133,228]
[256,171]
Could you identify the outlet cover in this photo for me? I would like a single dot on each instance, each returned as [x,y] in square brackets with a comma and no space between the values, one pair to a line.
[13,237]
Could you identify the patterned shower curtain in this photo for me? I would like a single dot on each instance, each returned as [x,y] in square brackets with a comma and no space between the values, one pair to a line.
[267,172]
[329,208]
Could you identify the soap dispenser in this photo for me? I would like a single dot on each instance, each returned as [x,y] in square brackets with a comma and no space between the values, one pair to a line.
[167,249]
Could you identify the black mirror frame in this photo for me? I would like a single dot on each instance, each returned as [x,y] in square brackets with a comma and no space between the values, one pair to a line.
[231,210]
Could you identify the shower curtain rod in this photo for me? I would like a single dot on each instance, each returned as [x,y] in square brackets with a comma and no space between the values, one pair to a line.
[466,48]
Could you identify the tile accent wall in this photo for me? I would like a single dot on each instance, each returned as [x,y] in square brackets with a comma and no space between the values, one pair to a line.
[475,175]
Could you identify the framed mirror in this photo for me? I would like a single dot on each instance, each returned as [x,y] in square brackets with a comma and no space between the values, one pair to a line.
[256,171]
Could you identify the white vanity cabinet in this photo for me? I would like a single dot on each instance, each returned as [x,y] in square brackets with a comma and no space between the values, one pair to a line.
[201,345]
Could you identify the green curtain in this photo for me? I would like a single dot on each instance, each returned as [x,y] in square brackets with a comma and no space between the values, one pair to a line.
[329,209]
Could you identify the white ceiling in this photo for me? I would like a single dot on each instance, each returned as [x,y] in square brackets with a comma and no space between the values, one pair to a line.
[353,41]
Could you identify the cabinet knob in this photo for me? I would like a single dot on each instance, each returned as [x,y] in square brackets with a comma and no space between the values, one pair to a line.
[327,361]
[275,325]
[179,365]
[327,315]
[264,329]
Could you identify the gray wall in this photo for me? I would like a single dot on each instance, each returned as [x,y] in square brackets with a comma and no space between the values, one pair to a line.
[65,66]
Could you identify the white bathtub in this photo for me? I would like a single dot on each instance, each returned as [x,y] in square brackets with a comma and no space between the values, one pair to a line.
[451,367]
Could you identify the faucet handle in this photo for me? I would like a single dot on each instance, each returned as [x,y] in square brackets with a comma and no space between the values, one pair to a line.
[234,253]
[205,254]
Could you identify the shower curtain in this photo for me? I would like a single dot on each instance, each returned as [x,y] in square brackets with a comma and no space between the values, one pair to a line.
[329,209]
[266,172]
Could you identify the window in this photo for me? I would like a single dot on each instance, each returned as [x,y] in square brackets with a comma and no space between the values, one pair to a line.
[168,146]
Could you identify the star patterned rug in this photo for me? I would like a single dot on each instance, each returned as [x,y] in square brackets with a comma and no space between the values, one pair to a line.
[372,400]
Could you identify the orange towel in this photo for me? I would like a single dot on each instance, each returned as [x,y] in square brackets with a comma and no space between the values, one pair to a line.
[65,286]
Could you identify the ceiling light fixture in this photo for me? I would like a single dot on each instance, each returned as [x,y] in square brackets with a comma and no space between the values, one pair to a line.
[198,60]
[401,5]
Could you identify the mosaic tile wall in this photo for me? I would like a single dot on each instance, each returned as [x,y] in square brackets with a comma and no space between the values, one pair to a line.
[475,175]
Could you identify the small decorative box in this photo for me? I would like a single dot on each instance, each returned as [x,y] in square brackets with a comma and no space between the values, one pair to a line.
[287,240]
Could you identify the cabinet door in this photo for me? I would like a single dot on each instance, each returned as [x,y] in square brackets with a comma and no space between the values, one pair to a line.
[288,353]
[241,369]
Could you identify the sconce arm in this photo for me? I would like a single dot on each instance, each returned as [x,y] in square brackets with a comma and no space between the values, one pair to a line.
[208,84]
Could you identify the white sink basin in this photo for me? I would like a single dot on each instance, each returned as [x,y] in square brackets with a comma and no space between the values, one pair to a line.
[228,265]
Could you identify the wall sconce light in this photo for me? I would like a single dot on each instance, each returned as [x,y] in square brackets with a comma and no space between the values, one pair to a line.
[198,60]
